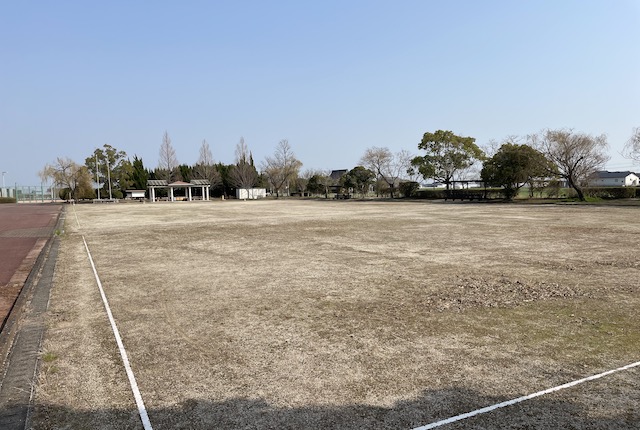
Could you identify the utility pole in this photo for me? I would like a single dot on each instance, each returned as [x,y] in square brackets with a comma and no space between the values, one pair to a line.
[2,191]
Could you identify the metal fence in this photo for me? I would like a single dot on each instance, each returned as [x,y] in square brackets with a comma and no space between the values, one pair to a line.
[31,193]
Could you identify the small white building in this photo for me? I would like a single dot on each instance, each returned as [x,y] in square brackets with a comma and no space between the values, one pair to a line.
[614,179]
[251,193]
[135,194]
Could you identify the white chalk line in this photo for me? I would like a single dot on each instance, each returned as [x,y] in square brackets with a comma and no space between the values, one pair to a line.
[523,398]
[76,215]
[142,410]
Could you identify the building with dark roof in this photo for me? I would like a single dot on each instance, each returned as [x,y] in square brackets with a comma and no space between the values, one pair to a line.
[614,179]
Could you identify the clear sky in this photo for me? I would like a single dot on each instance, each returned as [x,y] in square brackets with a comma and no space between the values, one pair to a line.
[334,77]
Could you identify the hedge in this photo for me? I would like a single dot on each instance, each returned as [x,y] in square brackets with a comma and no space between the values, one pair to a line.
[7,200]
[611,192]
[458,194]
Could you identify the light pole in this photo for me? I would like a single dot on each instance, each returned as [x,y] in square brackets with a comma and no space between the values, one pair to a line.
[97,177]
[109,175]
[2,192]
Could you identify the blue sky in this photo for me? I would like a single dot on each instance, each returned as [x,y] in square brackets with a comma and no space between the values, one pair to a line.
[332,77]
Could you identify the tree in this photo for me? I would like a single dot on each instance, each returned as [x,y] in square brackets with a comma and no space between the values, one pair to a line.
[243,173]
[359,178]
[387,166]
[282,168]
[574,156]
[318,182]
[168,162]
[512,166]
[68,174]
[109,166]
[185,173]
[205,168]
[409,188]
[139,175]
[446,155]
[226,187]
[632,147]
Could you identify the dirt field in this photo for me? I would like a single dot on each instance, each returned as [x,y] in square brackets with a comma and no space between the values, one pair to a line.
[324,314]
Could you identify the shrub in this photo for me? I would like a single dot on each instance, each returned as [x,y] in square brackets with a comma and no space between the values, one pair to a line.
[552,188]
[7,200]
[461,194]
[611,193]
[409,188]
[430,194]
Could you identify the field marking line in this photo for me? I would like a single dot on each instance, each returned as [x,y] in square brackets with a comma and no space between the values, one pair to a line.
[76,214]
[123,353]
[523,398]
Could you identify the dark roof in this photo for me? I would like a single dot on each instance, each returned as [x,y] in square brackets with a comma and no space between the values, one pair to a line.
[608,175]
[337,174]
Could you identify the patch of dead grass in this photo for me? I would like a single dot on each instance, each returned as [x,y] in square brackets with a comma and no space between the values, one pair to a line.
[350,312]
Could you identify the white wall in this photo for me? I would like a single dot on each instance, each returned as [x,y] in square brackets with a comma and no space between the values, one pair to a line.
[251,193]
[629,181]
[7,192]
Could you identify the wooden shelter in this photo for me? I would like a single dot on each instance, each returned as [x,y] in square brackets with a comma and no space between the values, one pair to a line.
[203,184]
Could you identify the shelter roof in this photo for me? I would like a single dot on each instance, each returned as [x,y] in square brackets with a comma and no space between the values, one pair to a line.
[178,184]
[157,183]
[200,182]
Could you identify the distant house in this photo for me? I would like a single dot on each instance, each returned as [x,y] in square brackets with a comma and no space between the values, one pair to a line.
[614,179]
[337,174]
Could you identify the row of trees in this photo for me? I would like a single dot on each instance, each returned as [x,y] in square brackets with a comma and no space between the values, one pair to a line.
[562,154]
[113,172]
[550,155]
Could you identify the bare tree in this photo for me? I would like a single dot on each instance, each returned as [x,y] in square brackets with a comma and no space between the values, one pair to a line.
[282,168]
[66,173]
[574,156]
[205,168]
[387,166]
[632,148]
[243,174]
[168,162]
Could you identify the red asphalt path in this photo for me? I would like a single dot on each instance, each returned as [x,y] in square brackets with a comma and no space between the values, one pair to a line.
[24,230]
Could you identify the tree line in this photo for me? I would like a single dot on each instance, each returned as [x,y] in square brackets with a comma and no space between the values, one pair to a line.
[445,157]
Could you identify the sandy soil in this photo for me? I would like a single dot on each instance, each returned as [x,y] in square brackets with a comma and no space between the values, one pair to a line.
[322,314]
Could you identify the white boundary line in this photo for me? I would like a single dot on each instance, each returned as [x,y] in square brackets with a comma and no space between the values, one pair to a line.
[123,353]
[76,215]
[147,424]
[523,398]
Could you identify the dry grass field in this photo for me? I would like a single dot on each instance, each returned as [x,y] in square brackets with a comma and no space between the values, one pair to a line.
[325,314]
